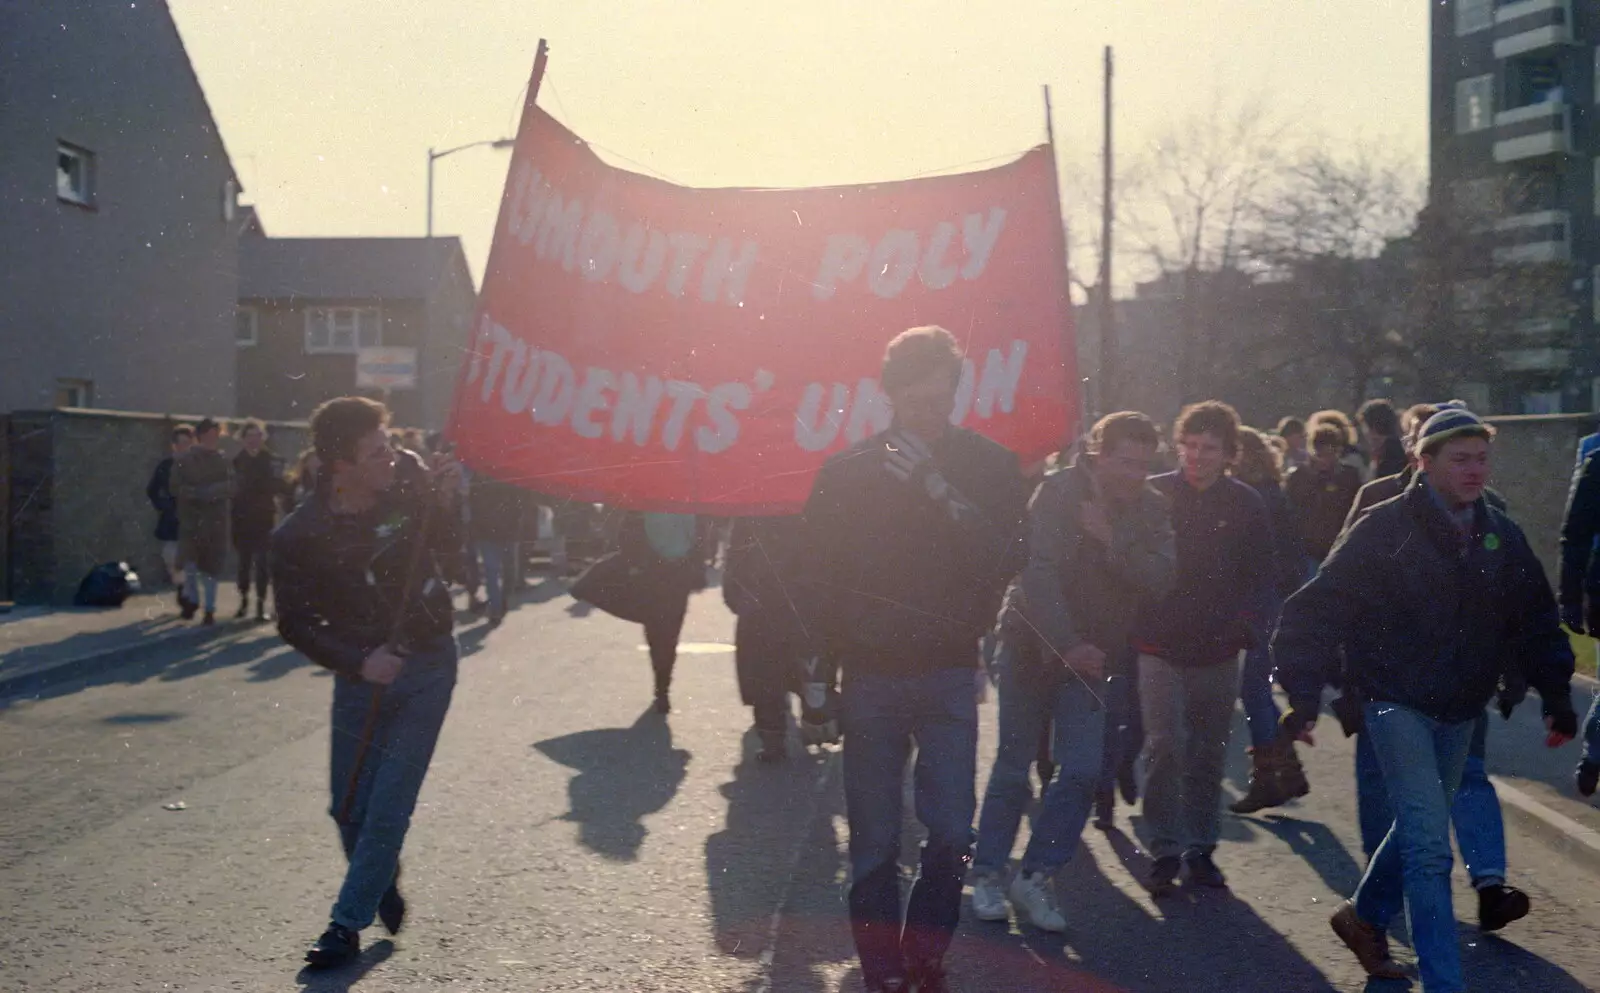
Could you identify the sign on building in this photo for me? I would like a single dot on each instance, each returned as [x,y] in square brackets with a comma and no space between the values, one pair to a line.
[386,368]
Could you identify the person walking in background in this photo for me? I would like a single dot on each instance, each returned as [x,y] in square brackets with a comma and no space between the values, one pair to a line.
[769,637]
[666,555]
[1350,452]
[1424,607]
[1387,453]
[203,483]
[1293,432]
[358,596]
[909,541]
[159,491]
[497,517]
[258,487]
[1276,776]
[1190,641]
[1321,493]
[1100,547]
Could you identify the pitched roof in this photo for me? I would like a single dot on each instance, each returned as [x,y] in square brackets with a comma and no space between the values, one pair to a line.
[344,268]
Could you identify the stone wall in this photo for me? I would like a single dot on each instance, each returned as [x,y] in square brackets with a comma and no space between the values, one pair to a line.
[77,494]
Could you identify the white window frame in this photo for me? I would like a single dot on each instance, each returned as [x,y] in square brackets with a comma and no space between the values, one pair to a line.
[324,324]
[1466,121]
[82,191]
[1473,16]
[80,392]
[253,338]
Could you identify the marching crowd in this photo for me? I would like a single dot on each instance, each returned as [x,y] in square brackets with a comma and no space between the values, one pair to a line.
[1134,611]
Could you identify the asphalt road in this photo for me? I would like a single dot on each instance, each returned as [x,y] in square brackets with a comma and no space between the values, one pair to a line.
[569,839]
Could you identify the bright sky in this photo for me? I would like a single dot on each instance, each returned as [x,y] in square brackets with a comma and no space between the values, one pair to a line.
[328,109]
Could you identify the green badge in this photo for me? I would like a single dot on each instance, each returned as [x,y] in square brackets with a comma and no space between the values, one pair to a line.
[1491,541]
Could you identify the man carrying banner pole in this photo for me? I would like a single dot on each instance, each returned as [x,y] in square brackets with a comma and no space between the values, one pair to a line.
[910,538]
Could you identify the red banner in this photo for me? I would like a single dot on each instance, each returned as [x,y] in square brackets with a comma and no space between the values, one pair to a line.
[657,347]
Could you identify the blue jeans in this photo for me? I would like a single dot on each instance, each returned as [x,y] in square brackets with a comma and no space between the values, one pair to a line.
[1591,727]
[411,712]
[1029,702]
[1124,724]
[194,583]
[496,557]
[1255,681]
[1421,760]
[882,717]
[1480,827]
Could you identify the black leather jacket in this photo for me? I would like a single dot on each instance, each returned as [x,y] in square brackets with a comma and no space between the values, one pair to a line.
[339,577]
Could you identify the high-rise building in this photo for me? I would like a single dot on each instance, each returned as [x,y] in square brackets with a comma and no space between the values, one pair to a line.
[1514,134]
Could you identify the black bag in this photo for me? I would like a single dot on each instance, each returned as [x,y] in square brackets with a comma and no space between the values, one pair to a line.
[107,585]
[618,587]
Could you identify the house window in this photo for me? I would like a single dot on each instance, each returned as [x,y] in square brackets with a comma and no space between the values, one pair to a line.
[246,329]
[1473,15]
[74,174]
[74,393]
[1474,103]
[343,329]
[1542,402]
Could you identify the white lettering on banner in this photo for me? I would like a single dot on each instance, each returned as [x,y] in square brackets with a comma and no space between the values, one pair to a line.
[1001,376]
[635,273]
[969,380]
[522,378]
[814,428]
[870,413]
[592,399]
[482,342]
[890,264]
[501,339]
[558,231]
[635,410]
[683,397]
[597,249]
[685,249]
[555,391]
[725,274]
[724,429]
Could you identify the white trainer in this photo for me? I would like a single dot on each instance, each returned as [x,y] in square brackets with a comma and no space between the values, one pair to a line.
[989,898]
[1034,896]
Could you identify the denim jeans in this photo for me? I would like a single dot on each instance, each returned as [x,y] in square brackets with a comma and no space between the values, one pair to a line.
[1029,701]
[411,712]
[1124,724]
[883,716]
[1188,717]
[195,582]
[496,557]
[1480,827]
[1421,759]
[1591,726]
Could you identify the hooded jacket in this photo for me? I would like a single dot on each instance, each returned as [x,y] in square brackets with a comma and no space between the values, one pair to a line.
[1424,617]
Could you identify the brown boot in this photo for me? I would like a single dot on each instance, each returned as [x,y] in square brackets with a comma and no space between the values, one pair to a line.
[1266,785]
[1368,941]
[1291,774]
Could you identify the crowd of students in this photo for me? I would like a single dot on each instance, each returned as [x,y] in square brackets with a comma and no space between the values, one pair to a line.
[1133,611]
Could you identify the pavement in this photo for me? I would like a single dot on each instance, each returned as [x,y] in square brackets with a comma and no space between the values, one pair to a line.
[166,828]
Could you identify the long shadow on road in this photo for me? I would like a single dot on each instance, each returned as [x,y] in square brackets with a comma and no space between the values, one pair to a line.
[623,775]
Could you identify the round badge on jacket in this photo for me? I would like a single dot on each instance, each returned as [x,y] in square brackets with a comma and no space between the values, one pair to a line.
[1491,541]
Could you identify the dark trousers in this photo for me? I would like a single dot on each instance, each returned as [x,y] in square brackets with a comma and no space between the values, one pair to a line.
[884,717]
[765,661]
[253,561]
[661,634]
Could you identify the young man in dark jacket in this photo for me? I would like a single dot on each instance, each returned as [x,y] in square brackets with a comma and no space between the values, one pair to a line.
[1190,643]
[910,538]
[258,488]
[358,596]
[1384,443]
[165,502]
[1425,606]
[203,482]
[769,639]
[1321,492]
[1100,547]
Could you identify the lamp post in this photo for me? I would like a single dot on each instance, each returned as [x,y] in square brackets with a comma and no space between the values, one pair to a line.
[433,156]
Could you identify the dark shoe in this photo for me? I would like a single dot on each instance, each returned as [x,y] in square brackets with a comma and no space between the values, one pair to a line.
[187,608]
[663,702]
[495,620]
[1588,777]
[774,747]
[1499,905]
[338,946]
[209,619]
[1368,942]
[1266,783]
[261,610]
[1162,878]
[1291,774]
[243,611]
[392,907]
[1204,872]
[1105,802]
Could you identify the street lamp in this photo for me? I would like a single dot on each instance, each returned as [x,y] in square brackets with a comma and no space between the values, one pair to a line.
[432,156]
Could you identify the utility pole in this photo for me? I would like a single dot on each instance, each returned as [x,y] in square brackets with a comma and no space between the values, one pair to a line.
[1108,311]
